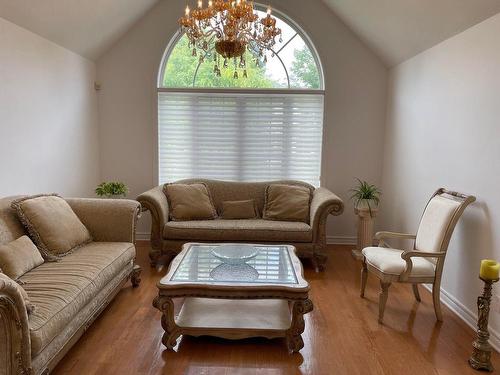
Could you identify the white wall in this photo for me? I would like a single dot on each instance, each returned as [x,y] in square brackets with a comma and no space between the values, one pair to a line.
[443,129]
[48,117]
[355,101]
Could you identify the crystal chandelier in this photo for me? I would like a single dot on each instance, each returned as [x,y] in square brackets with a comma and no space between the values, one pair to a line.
[231,28]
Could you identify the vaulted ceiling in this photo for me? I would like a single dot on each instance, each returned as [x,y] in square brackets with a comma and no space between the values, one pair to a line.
[394,29]
[399,29]
[87,27]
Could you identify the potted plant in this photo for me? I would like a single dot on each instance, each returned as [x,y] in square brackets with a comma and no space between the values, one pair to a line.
[366,198]
[111,190]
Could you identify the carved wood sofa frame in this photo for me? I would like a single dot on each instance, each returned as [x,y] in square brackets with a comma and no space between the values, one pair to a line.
[323,204]
[108,221]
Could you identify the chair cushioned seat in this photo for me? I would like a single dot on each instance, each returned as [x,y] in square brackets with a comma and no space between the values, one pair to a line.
[59,290]
[238,230]
[389,261]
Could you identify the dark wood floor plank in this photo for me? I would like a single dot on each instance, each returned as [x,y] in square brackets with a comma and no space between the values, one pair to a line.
[342,334]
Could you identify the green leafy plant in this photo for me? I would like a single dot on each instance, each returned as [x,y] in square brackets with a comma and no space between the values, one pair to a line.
[111,189]
[366,192]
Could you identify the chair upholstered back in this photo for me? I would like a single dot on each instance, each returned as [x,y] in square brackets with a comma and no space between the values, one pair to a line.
[439,219]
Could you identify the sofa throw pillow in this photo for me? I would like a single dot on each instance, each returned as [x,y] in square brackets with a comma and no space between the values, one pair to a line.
[287,203]
[52,225]
[189,202]
[18,257]
[239,210]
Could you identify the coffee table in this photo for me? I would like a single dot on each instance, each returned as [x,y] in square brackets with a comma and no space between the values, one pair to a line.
[265,296]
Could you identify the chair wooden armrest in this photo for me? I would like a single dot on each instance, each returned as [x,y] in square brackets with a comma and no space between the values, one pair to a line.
[424,254]
[407,255]
[383,234]
[380,236]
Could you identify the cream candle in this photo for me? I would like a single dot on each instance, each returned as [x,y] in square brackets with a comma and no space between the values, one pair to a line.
[489,270]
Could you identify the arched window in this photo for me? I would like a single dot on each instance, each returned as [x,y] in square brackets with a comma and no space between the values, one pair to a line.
[266,126]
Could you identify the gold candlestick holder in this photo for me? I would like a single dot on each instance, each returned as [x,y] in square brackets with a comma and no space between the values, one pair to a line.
[481,348]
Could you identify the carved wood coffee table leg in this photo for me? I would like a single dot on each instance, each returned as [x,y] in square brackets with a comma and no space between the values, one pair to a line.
[293,335]
[172,331]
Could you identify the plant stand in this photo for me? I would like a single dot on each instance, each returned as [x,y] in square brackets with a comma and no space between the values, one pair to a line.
[365,230]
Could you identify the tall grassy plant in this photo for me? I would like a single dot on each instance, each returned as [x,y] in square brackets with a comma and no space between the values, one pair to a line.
[366,192]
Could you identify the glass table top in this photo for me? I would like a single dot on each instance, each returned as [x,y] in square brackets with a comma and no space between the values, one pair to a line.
[271,265]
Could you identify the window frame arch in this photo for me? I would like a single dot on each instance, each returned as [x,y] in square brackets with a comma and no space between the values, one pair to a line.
[258,6]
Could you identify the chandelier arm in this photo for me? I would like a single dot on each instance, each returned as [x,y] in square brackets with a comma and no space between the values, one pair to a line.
[233,26]
[198,67]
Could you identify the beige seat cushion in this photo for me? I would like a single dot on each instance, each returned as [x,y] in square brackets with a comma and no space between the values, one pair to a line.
[19,257]
[239,210]
[52,224]
[189,202]
[389,261]
[238,230]
[287,203]
[61,289]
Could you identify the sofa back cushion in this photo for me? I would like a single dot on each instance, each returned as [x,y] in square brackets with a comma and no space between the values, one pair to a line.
[10,226]
[287,203]
[189,202]
[221,191]
[239,210]
[51,224]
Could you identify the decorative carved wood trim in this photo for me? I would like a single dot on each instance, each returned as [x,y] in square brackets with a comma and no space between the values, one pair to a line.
[14,318]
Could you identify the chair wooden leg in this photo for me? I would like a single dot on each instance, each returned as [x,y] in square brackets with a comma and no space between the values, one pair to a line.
[364,276]
[436,298]
[416,293]
[384,292]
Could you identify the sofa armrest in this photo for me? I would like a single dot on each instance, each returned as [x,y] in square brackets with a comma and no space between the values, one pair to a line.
[156,203]
[108,220]
[323,203]
[15,347]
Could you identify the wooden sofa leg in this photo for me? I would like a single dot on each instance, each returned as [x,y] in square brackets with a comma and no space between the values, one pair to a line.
[319,262]
[154,256]
[135,277]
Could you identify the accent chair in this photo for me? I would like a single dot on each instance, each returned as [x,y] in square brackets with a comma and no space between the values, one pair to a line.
[424,263]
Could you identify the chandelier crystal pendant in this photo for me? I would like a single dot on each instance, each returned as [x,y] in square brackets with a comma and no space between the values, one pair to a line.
[230,28]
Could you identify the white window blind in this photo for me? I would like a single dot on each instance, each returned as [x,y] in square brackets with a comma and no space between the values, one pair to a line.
[240,136]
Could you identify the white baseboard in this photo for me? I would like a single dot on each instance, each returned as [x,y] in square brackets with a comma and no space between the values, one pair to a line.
[469,317]
[341,240]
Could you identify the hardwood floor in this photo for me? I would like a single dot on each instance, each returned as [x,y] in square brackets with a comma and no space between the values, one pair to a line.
[342,334]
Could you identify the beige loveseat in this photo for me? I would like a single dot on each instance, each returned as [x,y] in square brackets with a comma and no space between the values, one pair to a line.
[68,294]
[309,238]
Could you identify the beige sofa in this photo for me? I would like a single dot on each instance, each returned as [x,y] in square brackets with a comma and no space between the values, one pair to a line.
[69,294]
[309,238]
